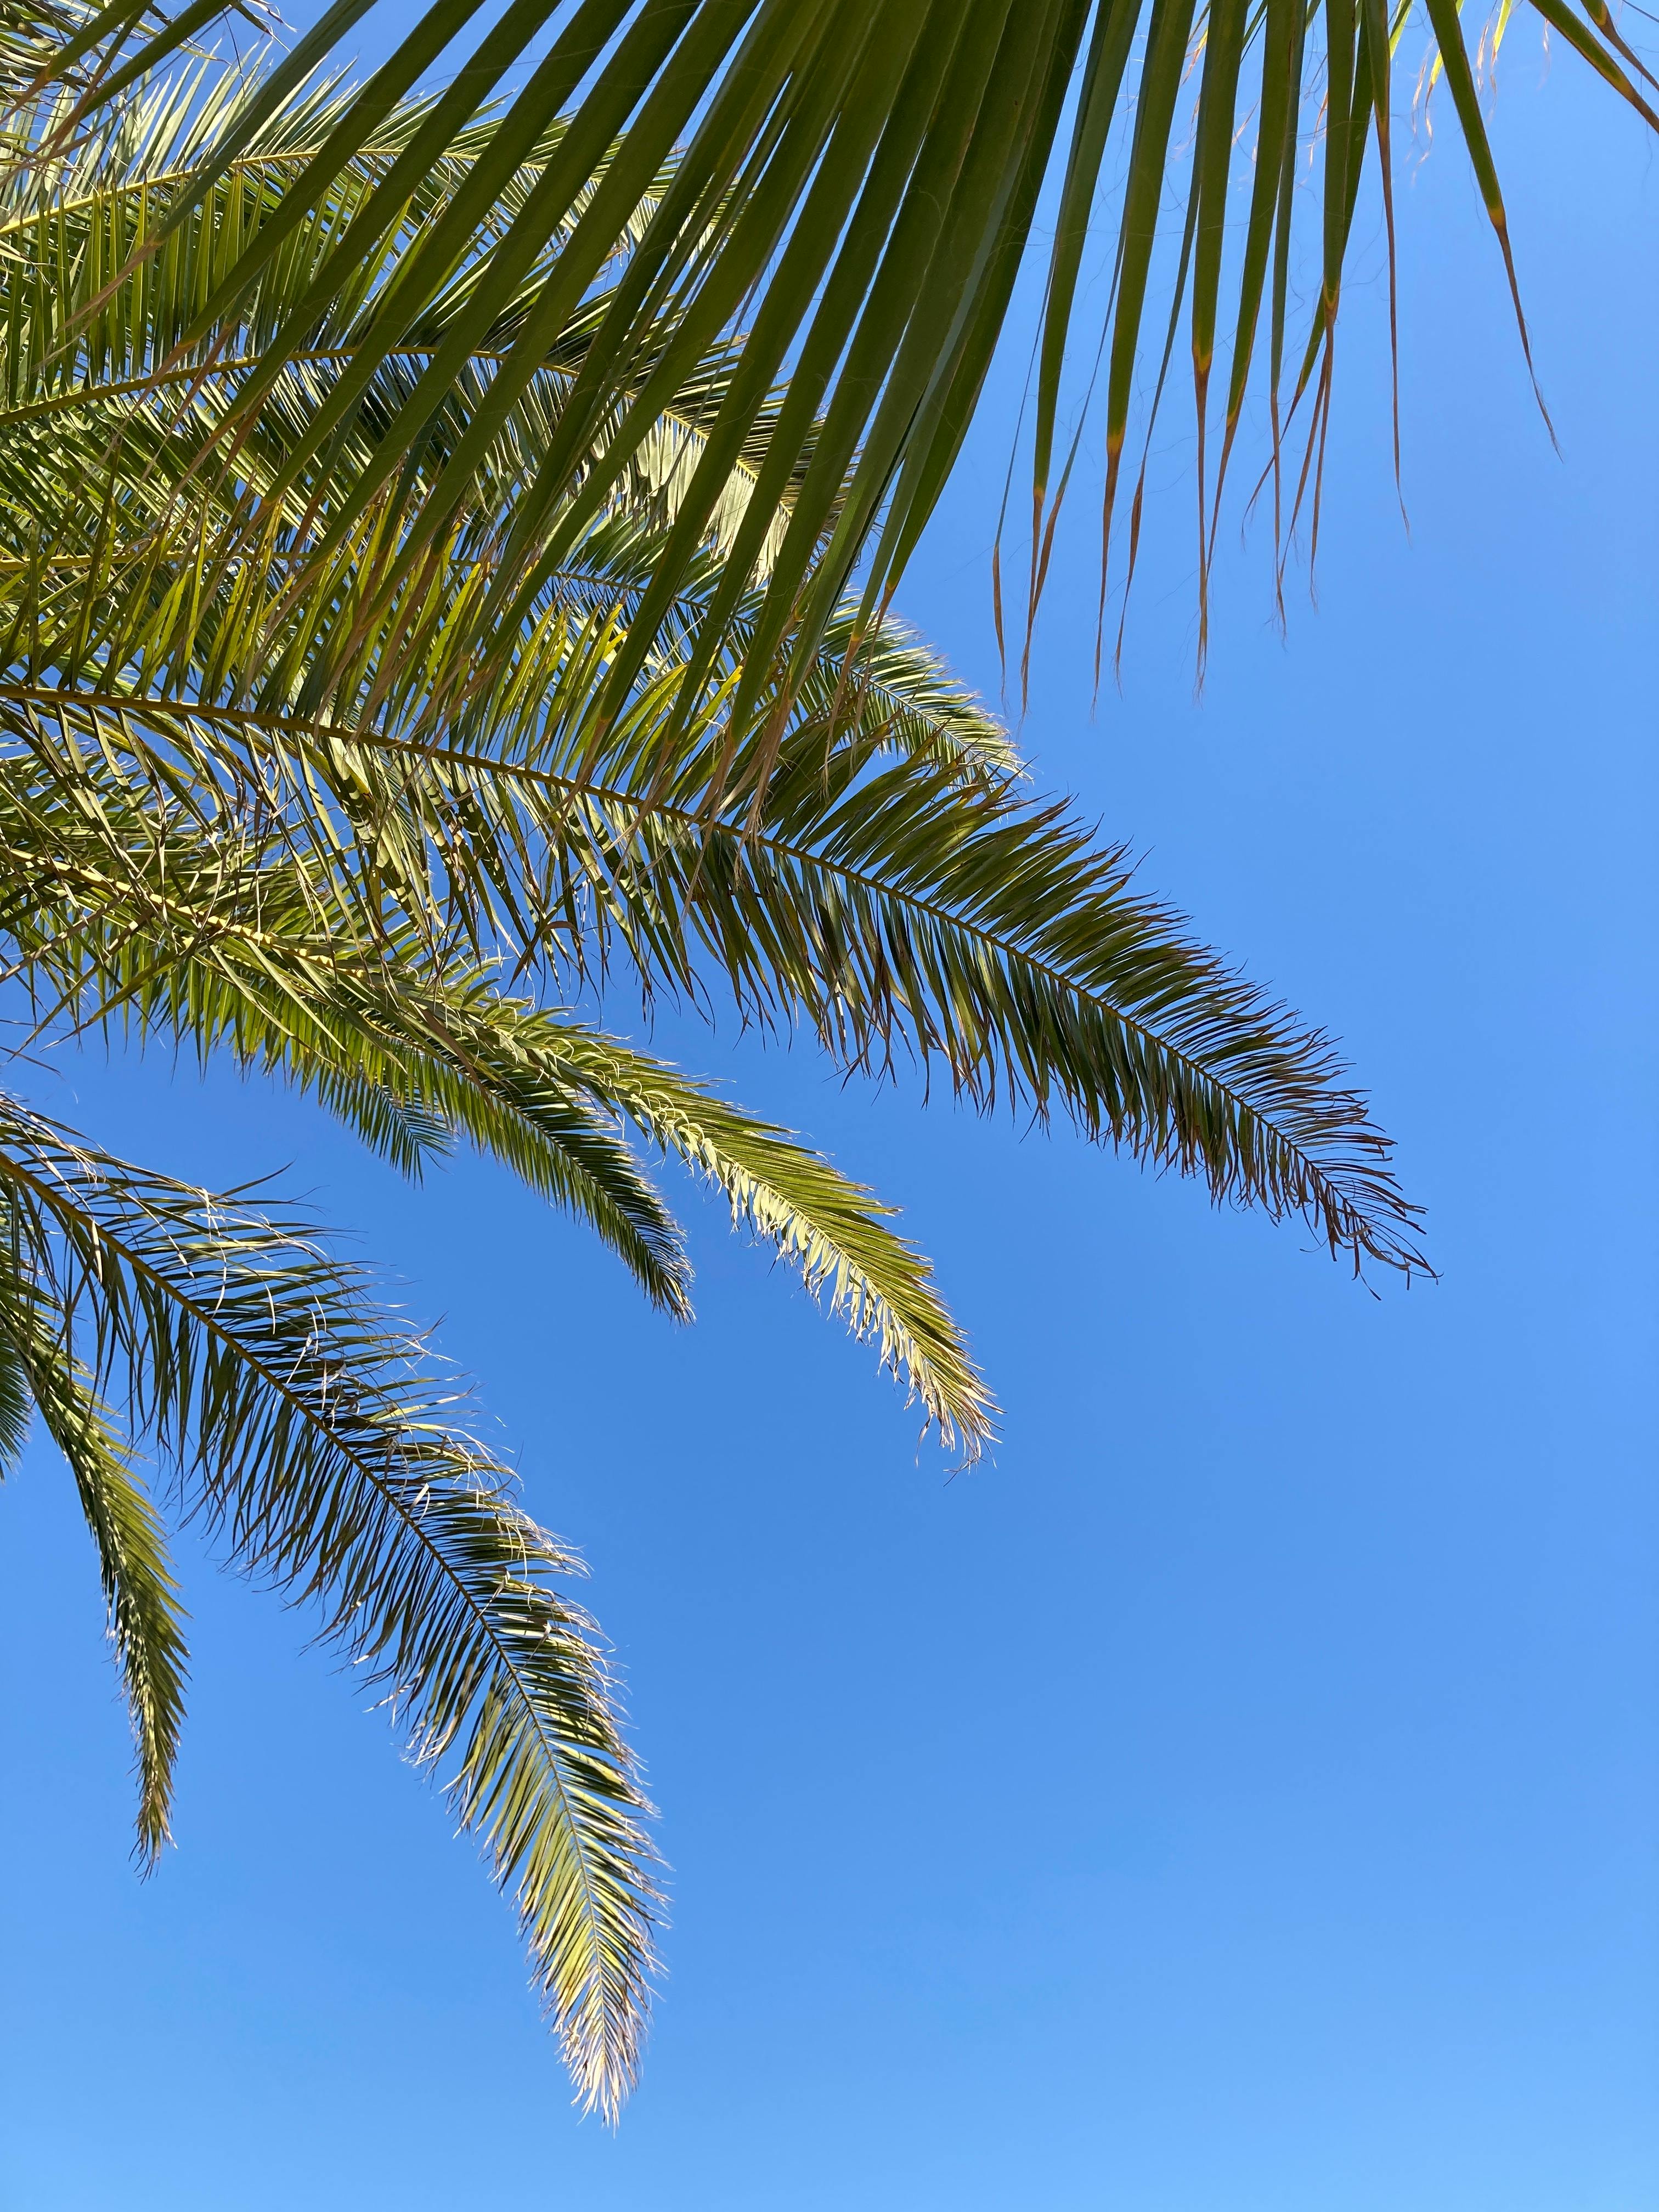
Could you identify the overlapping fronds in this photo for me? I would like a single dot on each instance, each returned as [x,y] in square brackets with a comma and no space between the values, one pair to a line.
[851,194]
[892,902]
[322,1448]
[130,909]
[421,612]
[105,408]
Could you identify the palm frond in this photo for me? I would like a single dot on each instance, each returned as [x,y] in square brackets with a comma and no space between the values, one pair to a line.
[321,1449]
[896,908]
[17,1408]
[114,936]
[146,1621]
[864,172]
[834,1232]
[424,534]
[102,398]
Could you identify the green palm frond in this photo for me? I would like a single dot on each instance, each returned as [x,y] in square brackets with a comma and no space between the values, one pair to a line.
[485,775]
[322,1450]
[892,904]
[145,1618]
[864,172]
[101,401]
[834,1232]
[217,951]
[117,929]
[17,1408]
[146,1623]
[897,913]
[75,43]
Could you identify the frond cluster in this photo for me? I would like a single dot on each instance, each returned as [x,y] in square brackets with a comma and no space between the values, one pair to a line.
[392,526]
[830,203]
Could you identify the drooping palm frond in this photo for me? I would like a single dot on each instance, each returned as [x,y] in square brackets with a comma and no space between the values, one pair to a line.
[867,171]
[322,1449]
[223,942]
[834,1232]
[119,922]
[897,912]
[146,1621]
[894,904]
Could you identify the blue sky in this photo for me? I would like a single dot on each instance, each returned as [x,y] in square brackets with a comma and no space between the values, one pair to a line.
[1241,1794]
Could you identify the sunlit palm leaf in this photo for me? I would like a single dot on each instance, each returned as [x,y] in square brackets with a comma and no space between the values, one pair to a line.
[895,905]
[412,1059]
[833,1231]
[219,941]
[322,1449]
[145,1618]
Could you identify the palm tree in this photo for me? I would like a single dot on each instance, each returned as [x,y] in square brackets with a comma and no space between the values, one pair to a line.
[362,740]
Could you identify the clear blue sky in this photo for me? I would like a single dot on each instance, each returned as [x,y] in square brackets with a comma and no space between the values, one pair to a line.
[1240,1795]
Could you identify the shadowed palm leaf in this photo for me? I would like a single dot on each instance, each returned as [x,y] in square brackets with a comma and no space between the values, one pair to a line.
[369,739]
[866,170]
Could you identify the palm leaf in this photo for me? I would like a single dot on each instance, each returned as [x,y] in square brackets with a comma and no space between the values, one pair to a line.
[895,906]
[145,1619]
[192,945]
[321,1449]
[833,1231]
[867,168]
